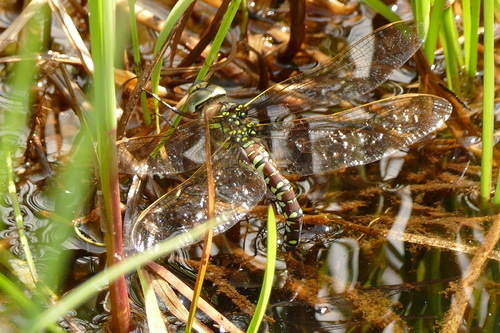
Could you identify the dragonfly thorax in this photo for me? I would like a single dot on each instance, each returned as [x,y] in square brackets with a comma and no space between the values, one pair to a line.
[237,124]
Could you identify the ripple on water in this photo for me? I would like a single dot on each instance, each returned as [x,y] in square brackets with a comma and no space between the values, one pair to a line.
[31,200]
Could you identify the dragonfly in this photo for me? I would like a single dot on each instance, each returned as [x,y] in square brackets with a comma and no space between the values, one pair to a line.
[303,134]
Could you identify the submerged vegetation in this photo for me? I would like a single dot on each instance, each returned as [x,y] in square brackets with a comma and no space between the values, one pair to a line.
[409,242]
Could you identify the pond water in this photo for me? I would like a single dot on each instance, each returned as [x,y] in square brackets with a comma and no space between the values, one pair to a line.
[384,246]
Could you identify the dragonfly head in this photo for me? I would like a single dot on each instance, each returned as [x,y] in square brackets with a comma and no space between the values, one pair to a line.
[202,93]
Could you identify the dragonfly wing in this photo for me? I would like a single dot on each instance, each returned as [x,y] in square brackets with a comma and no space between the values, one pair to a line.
[238,188]
[356,136]
[359,69]
[180,150]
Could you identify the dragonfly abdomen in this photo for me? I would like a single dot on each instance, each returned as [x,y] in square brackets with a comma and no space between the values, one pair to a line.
[281,189]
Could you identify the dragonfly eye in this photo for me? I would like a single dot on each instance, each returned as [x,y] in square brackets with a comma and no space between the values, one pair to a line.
[201,93]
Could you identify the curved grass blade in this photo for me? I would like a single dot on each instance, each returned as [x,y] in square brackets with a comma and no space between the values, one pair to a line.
[267,284]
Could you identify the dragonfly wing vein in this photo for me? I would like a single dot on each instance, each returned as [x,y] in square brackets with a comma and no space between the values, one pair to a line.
[181,150]
[238,188]
[356,136]
[361,68]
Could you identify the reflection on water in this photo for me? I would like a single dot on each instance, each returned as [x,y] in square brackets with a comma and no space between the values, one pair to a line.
[343,263]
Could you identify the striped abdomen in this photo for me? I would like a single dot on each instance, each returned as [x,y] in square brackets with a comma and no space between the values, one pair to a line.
[280,187]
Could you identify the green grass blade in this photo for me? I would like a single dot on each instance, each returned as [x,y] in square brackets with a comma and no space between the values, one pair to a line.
[244,17]
[488,101]
[103,31]
[496,198]
[17,295]
[430,43]
[382,9]
[14,115]
[19,220]
[172,19]
[134,34]
[450,28]
[453,52]
[137,58]
[497,9]
[219,38]
[103,49]
[267,285]
[69,197]
[421,11]
[471,13]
